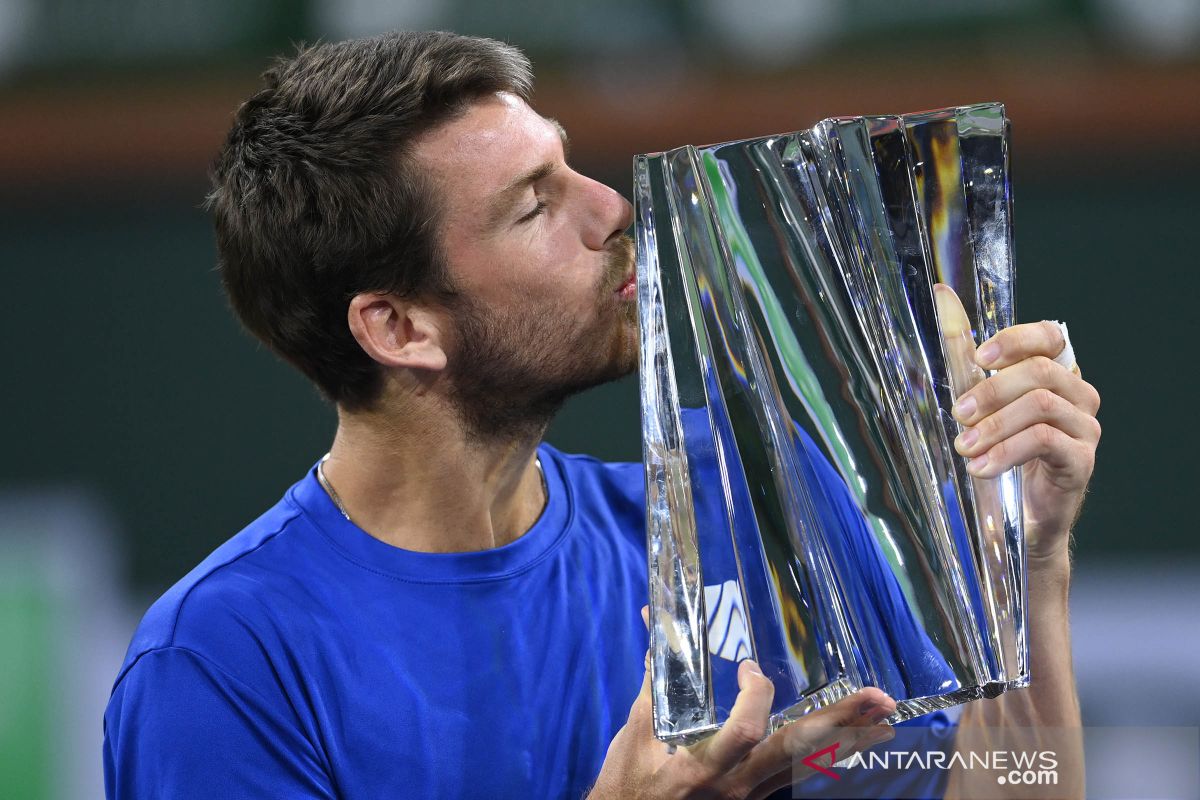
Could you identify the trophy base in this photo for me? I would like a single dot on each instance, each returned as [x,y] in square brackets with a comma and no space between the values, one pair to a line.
[919,706]
[825,696]
[828,695]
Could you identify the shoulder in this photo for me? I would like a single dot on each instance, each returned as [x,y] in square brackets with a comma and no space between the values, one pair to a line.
[604,493]
[223,600]
[593,478]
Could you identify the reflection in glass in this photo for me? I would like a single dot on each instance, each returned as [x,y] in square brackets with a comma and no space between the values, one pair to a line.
[810,305]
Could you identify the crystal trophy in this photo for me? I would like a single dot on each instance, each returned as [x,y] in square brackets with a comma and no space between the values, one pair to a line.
[809,307]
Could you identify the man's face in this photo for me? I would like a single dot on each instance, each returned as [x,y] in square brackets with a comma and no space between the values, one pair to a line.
[546,303]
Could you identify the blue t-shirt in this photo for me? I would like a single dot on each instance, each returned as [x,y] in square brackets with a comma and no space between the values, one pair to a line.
[305,658]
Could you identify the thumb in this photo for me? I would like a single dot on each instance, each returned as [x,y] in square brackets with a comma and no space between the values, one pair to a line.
[957,343]
[640,720]
[640,714]
[645,690]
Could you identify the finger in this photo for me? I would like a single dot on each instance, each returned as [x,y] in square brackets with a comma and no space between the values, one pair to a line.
[1039,405]
[851,718]
[1056,449]
[1017,380]
[957,342]
[1020,342]
[641,713]
[842,723]
[797,773]
[747,722]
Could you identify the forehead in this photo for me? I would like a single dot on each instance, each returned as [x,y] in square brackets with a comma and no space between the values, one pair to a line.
[479,153]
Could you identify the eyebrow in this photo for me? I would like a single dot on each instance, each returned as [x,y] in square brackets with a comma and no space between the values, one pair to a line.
[502,202]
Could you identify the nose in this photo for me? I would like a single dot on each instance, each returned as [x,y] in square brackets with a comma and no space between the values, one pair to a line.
[610,215]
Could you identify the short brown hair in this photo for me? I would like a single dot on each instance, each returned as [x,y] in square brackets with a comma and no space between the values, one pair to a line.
[315,197]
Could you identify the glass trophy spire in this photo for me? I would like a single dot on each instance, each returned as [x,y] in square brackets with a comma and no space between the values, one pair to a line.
[809,307]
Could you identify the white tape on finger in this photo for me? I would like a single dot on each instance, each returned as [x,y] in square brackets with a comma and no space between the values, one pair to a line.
[1067,356]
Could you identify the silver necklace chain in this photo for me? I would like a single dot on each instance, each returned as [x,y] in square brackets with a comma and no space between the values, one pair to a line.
[337,500]
[329,490]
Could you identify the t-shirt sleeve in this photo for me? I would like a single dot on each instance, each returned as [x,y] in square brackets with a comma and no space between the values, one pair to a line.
[179,726]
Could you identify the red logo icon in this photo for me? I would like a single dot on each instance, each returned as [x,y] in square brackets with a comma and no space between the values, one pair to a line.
[810,760]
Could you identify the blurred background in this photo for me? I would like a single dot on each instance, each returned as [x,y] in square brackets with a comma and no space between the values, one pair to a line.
[145,428]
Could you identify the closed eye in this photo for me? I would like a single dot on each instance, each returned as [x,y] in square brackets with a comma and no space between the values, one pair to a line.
[538,209]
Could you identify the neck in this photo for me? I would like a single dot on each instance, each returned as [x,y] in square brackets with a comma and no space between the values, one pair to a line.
[417,481]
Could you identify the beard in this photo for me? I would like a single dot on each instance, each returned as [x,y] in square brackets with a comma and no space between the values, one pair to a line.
[512,370]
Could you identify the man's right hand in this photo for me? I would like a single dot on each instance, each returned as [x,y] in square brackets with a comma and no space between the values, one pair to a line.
[736,761]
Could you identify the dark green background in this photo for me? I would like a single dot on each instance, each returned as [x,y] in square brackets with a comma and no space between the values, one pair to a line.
[126,372]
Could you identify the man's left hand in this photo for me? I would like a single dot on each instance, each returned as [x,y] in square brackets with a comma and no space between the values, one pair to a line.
[1037,414]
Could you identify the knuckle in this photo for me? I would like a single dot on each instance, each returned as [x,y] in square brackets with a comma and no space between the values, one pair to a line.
[1096,430]
[745,733]
[1045,401]
[1089,459]
[1093,397]
[987,393]
[1044,370]
[998,453]
[989,428]
[1044,434]
[1084,456]
[1027,337]
[801,738]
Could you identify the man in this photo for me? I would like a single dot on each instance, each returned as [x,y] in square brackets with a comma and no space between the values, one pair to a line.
[444,607]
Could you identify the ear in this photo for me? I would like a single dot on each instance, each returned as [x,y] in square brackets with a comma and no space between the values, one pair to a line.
[397,332]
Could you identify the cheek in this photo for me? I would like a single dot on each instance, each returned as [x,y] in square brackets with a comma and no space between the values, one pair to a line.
[546,270]
[558,295]
[561,272]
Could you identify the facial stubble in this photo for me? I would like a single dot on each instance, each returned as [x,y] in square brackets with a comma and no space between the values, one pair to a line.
[512,370]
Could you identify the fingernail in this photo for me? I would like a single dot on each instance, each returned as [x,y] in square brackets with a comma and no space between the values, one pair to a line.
[967,438]
[987,354]
[874,709]
[965,407]
[750,667]
[978,462]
